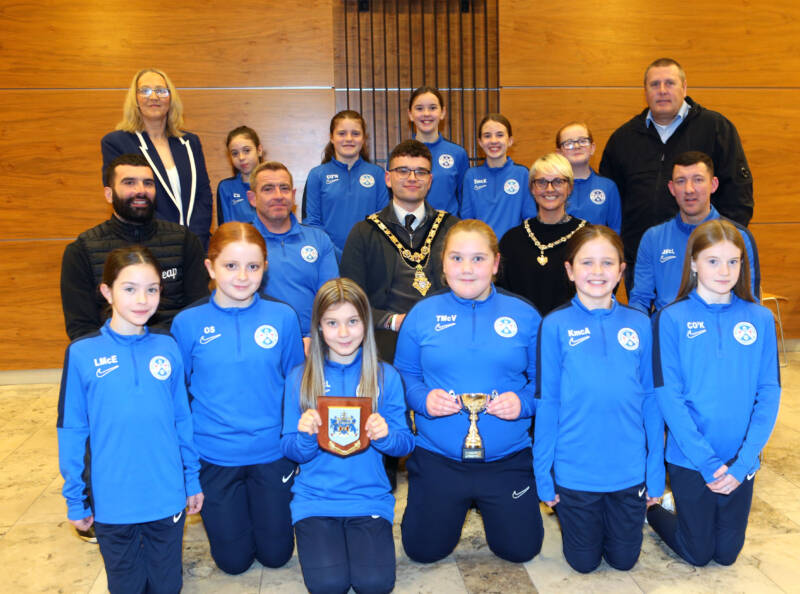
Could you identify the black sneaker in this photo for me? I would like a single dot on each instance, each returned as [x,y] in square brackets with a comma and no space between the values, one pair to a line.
[87,535]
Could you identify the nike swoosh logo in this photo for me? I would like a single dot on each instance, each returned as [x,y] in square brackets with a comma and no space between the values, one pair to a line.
[285,479]
[515,495]
[207,339]
[440,327]
[104,372]
[750,476]
[641,491]
[695,333]
[577,341]
[479,187]
[177,517]
[237,200]
[666,258]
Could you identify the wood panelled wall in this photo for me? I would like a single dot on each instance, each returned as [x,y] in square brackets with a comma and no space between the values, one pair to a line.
[586,61]
[65,67]
[64,70]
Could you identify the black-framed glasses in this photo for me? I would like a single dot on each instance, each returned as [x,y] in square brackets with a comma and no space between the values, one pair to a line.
[570,144]
[162,92]
[542,183]
[405,172]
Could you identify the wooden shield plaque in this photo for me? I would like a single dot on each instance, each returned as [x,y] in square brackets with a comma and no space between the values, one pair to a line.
[343,420]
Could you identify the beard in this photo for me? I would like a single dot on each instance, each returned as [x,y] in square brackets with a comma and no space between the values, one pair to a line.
[133,214]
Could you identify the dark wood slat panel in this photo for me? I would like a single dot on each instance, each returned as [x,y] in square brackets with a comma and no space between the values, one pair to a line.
[220,44]
[30,305]
[761,116]
[51,178]
[597,43]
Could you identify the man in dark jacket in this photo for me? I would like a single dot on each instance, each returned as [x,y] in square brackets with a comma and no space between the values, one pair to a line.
[639,155]
[130,189]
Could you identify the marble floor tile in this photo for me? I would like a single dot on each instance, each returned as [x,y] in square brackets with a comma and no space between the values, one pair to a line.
[433,578]
[778,492]
[27,472]
[47,558]
[201,575]
[777,557]
[39,551]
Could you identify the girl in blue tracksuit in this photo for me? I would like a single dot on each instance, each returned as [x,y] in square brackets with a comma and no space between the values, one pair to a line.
[245,152]
[472,338]
[717,383]
[125,434]
[238,347]
[450,161]
[593,198]
[343,507]
[497,192]
[599,444]
[346,187]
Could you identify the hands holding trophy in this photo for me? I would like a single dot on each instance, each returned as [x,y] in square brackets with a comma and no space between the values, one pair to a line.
[474,403]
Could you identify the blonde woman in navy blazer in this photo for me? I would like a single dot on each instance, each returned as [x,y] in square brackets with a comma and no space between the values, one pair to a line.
[151,125]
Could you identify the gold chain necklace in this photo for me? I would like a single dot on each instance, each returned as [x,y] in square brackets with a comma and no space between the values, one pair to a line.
[542,259]
[421,282]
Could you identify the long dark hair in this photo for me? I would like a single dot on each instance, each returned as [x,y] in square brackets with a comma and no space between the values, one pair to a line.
[249,133]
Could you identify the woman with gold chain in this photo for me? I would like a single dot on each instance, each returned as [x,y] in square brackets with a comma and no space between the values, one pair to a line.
[533,253]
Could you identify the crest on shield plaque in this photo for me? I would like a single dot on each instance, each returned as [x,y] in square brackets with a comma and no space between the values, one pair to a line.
[343,420]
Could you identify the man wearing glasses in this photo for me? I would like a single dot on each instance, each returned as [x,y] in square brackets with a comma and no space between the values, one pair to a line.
[639,156]
[395,255]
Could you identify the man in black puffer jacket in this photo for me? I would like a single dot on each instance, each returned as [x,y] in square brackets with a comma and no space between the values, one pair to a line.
[130,189]
[640,153]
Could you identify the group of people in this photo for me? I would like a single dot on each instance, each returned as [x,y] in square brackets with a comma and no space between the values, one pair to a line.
[383,293]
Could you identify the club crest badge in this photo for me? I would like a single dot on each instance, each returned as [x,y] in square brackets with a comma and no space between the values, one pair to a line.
[160,367]
[745,333]
[505,327]
[446,161]
[366,180]
[266,336]
[309,253]
[628,339]
[343,421]
[597,196]
[511,186]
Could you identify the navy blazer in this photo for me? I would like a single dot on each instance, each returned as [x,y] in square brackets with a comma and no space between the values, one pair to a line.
[194,209]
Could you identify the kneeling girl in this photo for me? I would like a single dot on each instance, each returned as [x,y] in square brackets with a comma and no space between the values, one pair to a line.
[238,347]
[717,383]
[343,507]
[599,438]
[470,339]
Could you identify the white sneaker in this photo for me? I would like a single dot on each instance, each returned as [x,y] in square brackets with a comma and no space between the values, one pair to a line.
[668,502]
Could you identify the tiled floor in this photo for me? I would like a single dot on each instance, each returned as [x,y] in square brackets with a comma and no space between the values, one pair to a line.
[39,551]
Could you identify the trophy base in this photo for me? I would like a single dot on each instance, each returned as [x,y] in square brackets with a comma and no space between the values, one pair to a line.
[472,454]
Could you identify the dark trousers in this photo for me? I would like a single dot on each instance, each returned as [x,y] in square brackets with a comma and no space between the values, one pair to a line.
[143,557]
[442,490]
[601,525]
[337,553]
[246,513]
[707,525]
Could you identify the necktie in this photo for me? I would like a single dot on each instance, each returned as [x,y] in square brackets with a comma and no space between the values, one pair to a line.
[410,218]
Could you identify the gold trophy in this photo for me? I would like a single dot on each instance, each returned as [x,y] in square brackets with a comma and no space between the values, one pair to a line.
[474,403]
